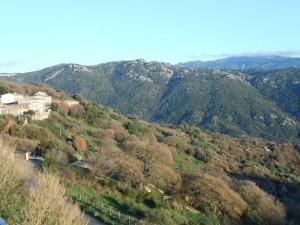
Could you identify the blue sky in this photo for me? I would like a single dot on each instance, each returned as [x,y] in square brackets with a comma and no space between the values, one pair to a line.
[35,34]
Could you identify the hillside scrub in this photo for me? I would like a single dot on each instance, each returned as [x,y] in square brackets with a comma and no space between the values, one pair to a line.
[14,174]
[206,192]
[28,197]
[162,173]
[47,204]
[228,101]
[266,207]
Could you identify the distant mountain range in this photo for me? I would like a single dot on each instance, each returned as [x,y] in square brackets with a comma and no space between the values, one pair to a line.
[259,103]
[247,62]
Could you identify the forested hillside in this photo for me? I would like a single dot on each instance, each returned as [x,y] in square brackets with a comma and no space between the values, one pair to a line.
[237,103]
[150,173]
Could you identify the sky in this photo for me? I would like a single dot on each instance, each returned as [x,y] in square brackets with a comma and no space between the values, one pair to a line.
[35,34]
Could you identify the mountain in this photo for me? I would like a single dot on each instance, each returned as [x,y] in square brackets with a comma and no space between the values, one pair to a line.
[230,102]
[145,173]
[280,86]
[246,62]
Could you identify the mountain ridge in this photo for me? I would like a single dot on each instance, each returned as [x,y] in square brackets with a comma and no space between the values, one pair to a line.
[231,102]
[246,62]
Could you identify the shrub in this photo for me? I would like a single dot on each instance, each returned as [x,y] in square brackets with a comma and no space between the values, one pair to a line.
[29,113]
[13,174]
[79,98]
[28,131]
[17,131]
[79,144]
[120,167]
[208,193]
[44,147]
[54,107]
[135,127]
[4,89]
[35,132]
[180,142]
[76,111]
[265,206]
[161,216]
[164,177]
[201,155]
[30,199]
[121,136]
[48,205]
[252,218]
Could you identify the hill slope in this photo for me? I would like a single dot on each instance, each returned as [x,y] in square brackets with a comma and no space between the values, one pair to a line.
[222,101]
[280,86]
[247,62]
[155,174]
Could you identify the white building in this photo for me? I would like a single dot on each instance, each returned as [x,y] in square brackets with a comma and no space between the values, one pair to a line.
[9,98]
[17,105]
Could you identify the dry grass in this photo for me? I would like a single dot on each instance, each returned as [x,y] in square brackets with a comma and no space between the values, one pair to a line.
[48,205]
[44,199]
[13,176]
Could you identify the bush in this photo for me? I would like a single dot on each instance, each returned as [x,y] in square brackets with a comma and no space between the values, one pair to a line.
[4,89]
[161,216]
[35,132]
[28,131]
[44,202]
[79,98]
[48,204]
[120,167]
[121,136]
[17,131]
[134,127]
[211,194]
[79,144]
[29,113]
[201,155]
[265,206]
[13,174]
[44,147]
[76,111]
[251,218]
[54,107]
[180,142]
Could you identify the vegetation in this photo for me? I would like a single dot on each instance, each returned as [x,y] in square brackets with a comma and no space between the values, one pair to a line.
[247,62]
[282,86]
[28,197]
[261,104]
[158,174]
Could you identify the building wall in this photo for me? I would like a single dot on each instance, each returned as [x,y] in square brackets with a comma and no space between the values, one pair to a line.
[39,103]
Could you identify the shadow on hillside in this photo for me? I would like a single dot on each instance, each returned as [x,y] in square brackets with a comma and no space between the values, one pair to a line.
[287,193]
[273,187]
